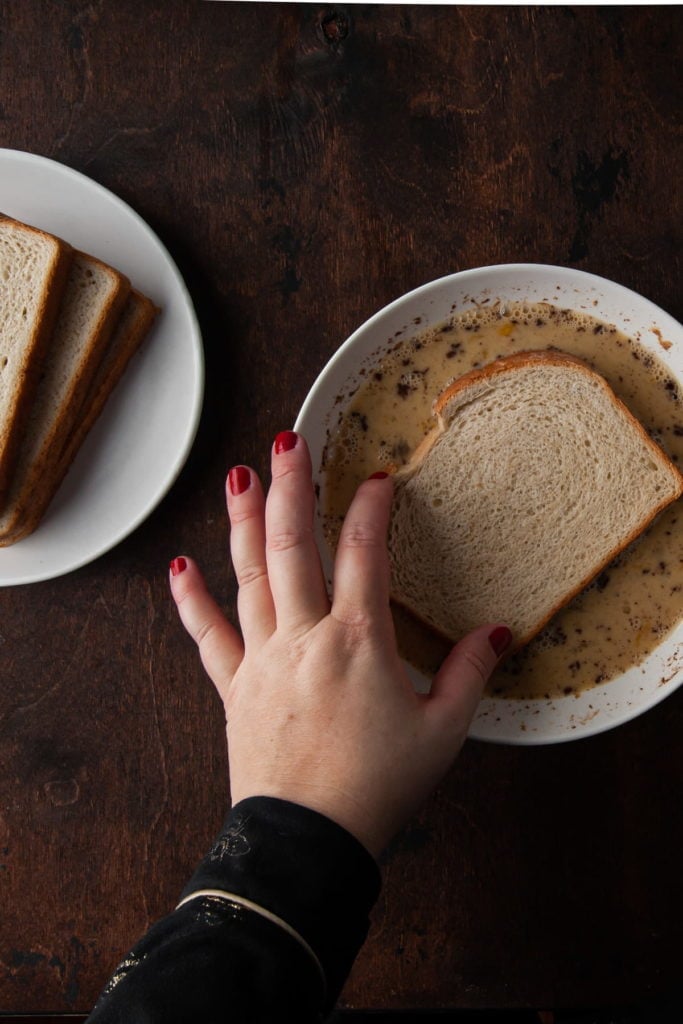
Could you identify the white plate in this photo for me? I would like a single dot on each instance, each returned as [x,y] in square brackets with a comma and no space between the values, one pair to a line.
[144,435]
[499,720]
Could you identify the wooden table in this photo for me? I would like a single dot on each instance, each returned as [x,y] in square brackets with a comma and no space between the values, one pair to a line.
[305,165]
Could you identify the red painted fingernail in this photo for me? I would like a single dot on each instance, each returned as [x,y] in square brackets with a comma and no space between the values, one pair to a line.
[500,639]
[177,566]
[379,475]
[239,479]
[285,441]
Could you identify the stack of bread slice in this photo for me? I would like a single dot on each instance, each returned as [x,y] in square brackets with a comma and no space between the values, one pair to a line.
[69,325]
[534,477]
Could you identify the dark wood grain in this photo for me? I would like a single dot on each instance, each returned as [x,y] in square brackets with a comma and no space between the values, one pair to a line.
[305,165]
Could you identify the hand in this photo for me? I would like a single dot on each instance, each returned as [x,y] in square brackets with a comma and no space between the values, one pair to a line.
[319,708]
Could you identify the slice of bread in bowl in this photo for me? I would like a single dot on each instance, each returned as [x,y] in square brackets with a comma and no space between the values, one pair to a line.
[534,478]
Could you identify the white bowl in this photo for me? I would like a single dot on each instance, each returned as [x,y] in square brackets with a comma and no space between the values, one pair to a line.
[498,719]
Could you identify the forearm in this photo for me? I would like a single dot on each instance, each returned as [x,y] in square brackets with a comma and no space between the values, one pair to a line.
[270,923]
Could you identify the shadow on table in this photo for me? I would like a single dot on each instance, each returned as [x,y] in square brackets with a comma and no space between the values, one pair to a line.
[669,1011]
[665,1011]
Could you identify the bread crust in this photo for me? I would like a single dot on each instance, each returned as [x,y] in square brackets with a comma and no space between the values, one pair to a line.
[104,328]
[28,480]
[115,361]
[523,360]
[12,430]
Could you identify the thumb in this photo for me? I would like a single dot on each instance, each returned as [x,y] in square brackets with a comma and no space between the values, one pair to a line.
[459,683]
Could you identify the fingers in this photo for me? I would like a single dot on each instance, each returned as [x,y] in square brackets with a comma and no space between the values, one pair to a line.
[296,578]
[220,646]
[459,684]
[361,572]
[246,508]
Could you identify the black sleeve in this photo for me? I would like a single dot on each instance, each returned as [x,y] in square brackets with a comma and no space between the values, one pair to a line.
[287,894]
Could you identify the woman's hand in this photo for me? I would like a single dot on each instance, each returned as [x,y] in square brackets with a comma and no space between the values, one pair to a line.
[319,708]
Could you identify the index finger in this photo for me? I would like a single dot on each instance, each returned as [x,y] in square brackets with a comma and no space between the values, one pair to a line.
[361,568]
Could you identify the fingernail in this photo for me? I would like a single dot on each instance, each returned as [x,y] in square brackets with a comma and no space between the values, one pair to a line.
[177,566]
[500,639]
[379,475]
[285,441]
[239,479]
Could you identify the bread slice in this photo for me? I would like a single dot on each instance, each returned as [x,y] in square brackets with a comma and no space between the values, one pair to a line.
[33,272]
[131,330]
[535,477]
[92,303]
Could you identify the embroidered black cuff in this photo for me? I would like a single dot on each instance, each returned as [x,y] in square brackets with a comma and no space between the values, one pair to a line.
[300,867]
